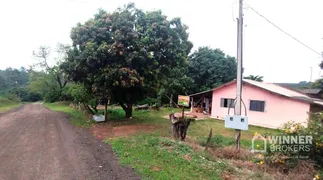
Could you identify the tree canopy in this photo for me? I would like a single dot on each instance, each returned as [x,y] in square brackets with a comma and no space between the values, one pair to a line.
[126,53]
[14,82]
[210,68]
[255,78]
[318,84]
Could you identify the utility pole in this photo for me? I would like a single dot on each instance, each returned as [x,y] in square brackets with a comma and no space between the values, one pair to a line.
[239,72]
[311,74]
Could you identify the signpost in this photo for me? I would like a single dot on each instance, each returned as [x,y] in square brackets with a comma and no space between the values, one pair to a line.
[183,101]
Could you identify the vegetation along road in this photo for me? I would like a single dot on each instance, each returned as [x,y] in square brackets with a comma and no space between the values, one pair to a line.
[37,143]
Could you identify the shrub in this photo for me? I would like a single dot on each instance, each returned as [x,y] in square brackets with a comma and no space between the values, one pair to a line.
[4,101]
[314,151]
[52,95]
[148,100]
[315,128]
[11,97]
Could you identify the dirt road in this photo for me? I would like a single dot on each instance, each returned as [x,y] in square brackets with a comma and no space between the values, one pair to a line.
[37,143]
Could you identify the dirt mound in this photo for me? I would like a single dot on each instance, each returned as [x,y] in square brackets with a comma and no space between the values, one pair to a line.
[103,131]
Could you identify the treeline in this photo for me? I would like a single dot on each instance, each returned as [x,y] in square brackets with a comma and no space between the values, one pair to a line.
[14,85]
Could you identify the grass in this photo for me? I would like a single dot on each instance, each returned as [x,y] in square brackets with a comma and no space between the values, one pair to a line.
[155,156]
[77,118]
[6,104]
[198,130]
[162,158]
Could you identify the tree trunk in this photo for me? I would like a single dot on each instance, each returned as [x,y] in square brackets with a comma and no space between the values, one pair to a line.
[179,126]
[127,108]
[88,110]
[95,108]
[171,101]
[129,111]
[105,111]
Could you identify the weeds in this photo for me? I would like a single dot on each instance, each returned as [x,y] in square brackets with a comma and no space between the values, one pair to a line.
[162,158]
[8,104]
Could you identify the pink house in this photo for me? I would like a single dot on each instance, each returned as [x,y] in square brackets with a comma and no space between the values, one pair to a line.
[266,104]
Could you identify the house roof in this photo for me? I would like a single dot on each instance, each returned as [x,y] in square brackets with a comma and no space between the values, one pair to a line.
[278,89]
[203,92]
[318,102]
[310,91]
[269,87]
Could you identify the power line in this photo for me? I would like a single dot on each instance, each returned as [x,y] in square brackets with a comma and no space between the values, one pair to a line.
[283,30]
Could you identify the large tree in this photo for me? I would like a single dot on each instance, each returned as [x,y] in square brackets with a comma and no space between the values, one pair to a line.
[177,83]
[210,68]
[126,53]
[51,80]
[43,53]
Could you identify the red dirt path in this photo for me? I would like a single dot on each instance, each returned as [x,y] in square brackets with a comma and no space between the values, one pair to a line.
[102,131]
[37,143]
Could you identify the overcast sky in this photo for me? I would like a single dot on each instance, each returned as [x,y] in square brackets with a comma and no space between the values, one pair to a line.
[267,51]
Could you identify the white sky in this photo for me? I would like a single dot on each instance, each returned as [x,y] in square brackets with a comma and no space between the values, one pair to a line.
[25,25]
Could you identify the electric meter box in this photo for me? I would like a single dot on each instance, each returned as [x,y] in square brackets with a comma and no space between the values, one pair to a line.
[236,122]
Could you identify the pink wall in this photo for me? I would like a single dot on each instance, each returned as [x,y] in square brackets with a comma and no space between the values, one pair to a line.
[278,109]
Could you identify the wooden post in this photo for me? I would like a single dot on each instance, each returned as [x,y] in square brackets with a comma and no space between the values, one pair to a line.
[238,134]
[183,112]
[208,139]
[192,104]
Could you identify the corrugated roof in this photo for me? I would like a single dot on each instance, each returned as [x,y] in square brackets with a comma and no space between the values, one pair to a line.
[223,85]
[277,89]
[310,91]
[318,102]
[201,92]
[269,87]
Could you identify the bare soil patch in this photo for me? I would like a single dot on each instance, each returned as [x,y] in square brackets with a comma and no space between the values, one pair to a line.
[102,131]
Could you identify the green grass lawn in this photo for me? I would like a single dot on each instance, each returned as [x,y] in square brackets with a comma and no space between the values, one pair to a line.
[162,158]
[155,156]
[77,118]
[198,130]
[6,104]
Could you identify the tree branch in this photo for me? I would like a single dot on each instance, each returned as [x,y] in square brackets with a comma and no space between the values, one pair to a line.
[123,106]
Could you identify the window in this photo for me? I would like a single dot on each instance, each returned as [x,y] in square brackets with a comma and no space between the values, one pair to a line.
[257,106]
[226,102]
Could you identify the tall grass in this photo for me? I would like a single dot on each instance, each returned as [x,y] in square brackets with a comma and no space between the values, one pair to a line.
[7,104]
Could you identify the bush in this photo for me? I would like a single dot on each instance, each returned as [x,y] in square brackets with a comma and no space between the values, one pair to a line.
[52,95]
[315,128]
[4,101]
[11,97]
[315,150]
[148,100]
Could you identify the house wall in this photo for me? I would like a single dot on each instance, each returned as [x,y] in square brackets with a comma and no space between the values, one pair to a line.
[278,109]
